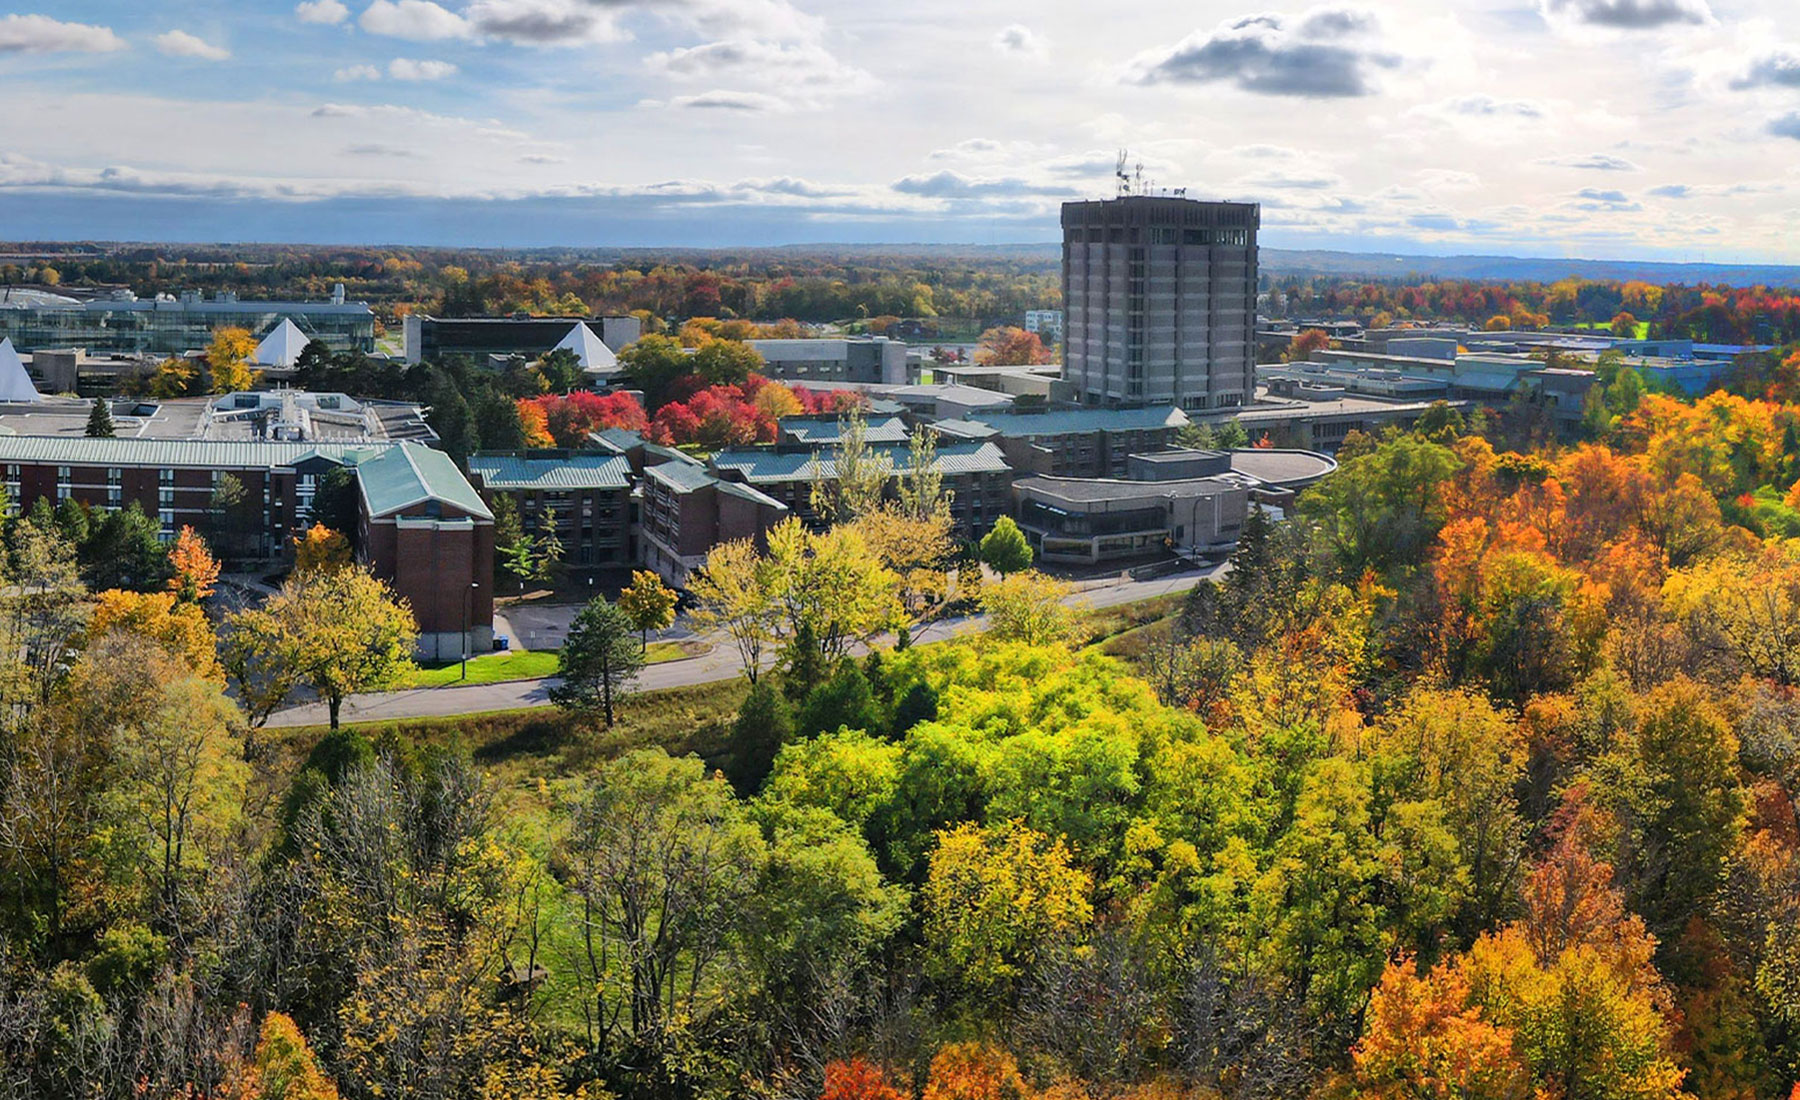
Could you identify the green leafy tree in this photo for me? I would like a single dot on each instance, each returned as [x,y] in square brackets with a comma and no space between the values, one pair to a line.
[515,554]
[1004,549]
[598,663]
[562,370]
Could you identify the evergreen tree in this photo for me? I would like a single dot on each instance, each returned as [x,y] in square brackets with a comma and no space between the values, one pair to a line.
[765,722]
[919,704]
[802,663]
[599,662]
[844,700]
[100,421]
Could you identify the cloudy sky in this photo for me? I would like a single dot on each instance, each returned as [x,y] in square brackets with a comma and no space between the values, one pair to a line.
[1593,128]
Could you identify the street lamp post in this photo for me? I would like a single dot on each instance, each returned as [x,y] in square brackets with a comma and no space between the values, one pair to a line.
[468,614]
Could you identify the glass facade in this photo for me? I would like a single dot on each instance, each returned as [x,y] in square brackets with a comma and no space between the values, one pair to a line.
[165,327]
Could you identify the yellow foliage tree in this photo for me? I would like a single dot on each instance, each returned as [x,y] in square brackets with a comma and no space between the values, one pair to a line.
[228,359]
[995,900]
[1027,607]
[179,627]
[320,550]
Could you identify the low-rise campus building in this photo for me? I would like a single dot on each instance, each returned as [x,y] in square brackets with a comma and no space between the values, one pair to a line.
[583,496]
[420,524]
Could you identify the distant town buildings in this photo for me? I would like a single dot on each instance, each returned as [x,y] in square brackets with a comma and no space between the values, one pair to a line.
[1159,298]
[1047,323]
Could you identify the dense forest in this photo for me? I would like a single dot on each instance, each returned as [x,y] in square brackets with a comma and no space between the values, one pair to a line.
[819,286]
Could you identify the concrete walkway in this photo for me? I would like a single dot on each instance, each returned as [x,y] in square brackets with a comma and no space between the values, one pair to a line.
[722,663]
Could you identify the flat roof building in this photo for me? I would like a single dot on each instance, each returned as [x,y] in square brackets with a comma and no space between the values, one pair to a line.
[1159,301]
[865,359]
[431,339]
[164,325]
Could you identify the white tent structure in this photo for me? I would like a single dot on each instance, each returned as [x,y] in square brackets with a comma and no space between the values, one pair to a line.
[281,347]
[590,351]
[15,384]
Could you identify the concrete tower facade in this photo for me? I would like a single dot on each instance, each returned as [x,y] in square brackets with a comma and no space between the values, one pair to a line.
[1159,301]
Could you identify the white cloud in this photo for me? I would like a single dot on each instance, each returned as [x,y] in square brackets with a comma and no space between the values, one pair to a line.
[401,68]
[418,20]
[1018,40]
[547,22]
[1321,53]
[183,44]
[721,100]
[328,12]
[802,72]
[1625,15]
[356,72]
[1593,162]
[42,34]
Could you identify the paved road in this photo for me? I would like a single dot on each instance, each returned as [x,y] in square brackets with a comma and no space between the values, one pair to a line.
[719,664]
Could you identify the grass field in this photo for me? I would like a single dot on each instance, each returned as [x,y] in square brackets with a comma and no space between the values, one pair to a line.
[523,664]
[1643,328]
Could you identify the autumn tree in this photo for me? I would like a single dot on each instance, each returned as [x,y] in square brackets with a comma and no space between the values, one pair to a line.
[1007,346]
[319,549]
[338,631]
[648,603]
[196,570]
[228,360]
[733,592]
[1305,342]
[997,899]
[179,627]
[859,477]
[1028,607]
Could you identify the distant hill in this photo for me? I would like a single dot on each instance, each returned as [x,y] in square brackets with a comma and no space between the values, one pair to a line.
[1282,261]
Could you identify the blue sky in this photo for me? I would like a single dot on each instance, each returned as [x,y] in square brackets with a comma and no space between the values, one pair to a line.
[1664,129]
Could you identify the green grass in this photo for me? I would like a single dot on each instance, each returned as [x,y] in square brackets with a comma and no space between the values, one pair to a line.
[1643,328]
[521,747]
[524,664]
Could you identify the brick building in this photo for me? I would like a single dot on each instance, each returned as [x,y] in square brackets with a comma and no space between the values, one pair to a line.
[686,511]
[975,474]
[589,494]
[421,526]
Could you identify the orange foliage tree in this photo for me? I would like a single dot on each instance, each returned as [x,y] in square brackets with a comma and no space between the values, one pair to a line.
[196,571]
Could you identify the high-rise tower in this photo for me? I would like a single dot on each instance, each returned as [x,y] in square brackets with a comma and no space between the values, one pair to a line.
[1159,301]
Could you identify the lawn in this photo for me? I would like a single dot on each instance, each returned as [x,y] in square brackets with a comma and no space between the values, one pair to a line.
[1643,328]
[533,664]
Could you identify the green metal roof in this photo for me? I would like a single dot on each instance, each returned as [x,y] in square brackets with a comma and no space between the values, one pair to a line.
[407,473]
[825,429]
[623,440]
[1068,421]
[681,476]
[551,473]
[214,454]
[771,466]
